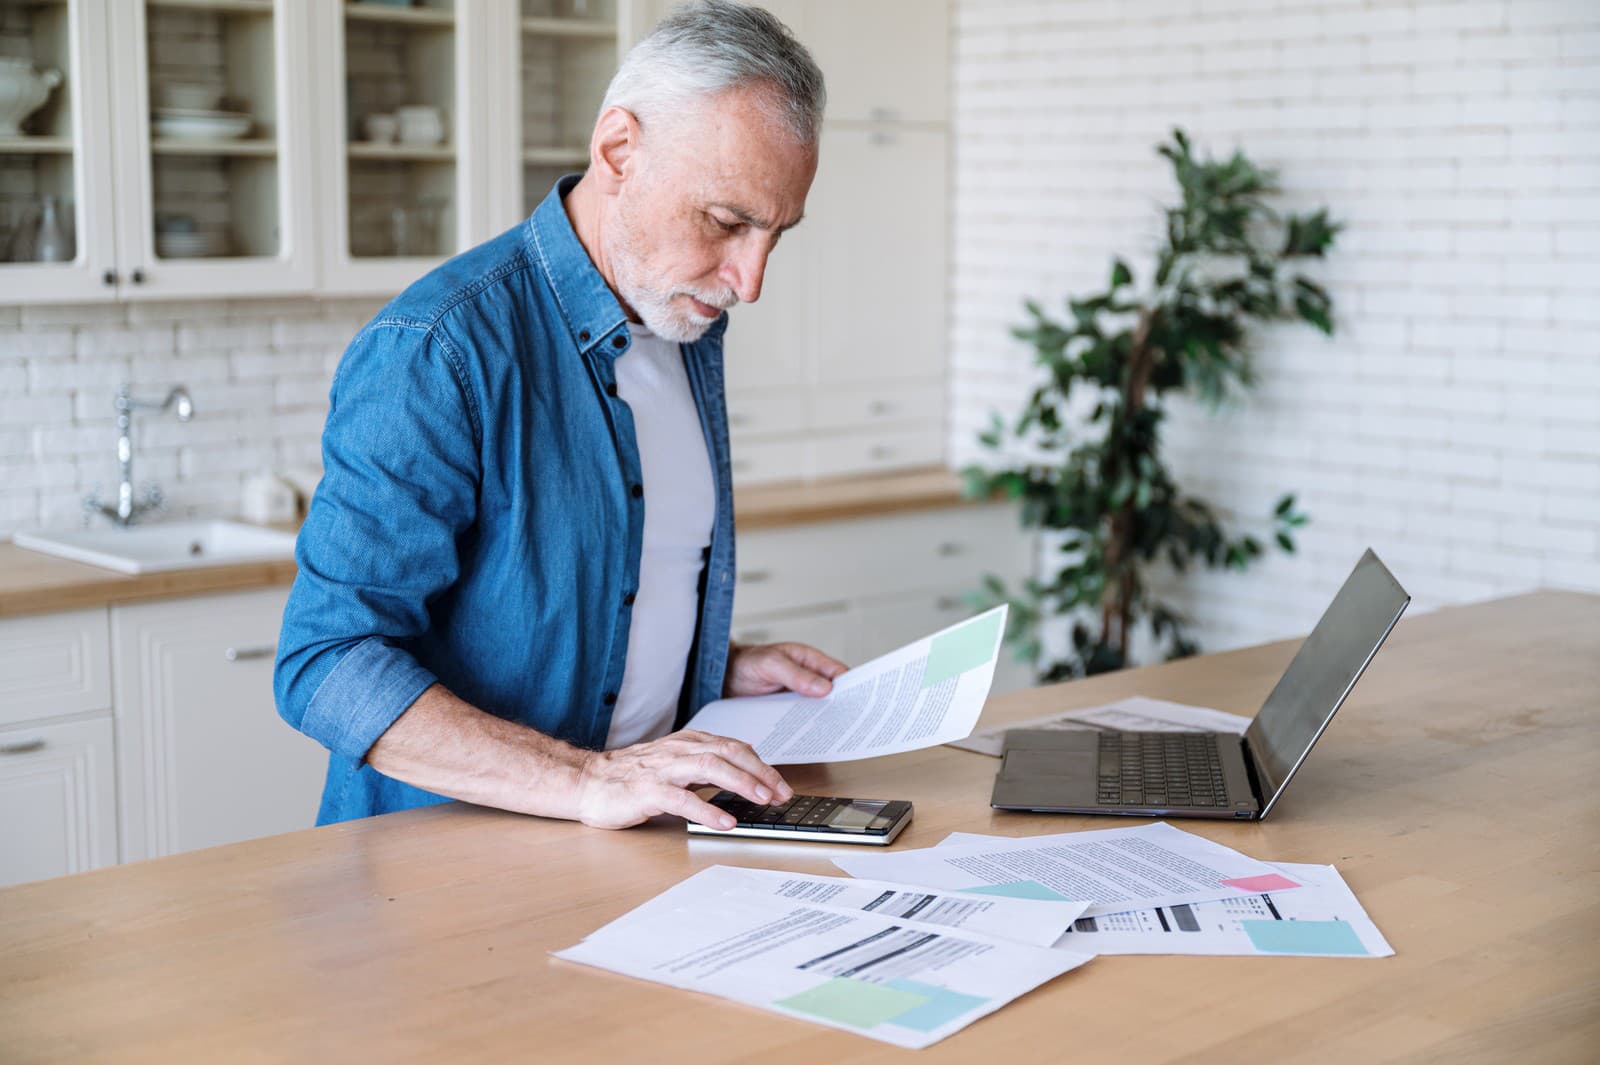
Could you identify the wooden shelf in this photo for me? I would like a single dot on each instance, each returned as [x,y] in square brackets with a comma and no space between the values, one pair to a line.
[596,29]
[405,16]
[35,145]
[255,147]
[556,156]
[222,7]
[414,153]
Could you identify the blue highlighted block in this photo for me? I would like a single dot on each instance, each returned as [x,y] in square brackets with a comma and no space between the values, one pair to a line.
[1018,889]
[1304,937]
[941,1008]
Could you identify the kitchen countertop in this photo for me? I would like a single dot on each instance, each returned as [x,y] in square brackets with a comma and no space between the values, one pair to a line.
[1456,796]
[35,583]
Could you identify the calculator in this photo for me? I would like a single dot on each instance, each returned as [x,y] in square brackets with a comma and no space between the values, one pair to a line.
[812,818]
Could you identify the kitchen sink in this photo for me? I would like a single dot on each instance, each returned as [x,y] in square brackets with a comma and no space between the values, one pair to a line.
[163,546]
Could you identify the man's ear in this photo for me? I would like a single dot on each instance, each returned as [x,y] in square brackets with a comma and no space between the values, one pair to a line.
[612,148]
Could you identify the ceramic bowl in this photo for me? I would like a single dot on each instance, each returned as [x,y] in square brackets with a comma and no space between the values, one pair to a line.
[183,97]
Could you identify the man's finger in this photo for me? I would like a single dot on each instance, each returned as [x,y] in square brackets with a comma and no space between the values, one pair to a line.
[816,660]
[691,807]
[708,767]
[785,668]
[745,757]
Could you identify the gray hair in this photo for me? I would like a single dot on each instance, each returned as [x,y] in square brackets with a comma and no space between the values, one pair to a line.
[711,46]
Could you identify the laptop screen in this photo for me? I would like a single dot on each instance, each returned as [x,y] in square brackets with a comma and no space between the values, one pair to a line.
[1322,673]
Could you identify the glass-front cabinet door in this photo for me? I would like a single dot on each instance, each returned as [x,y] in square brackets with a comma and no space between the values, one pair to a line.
[57,239]
[213,153]
[568,51]
[405,103]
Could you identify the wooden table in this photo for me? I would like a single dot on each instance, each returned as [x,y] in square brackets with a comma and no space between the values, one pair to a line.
[1456,793]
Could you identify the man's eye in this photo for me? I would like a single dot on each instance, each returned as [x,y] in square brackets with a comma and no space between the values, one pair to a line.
[727,227]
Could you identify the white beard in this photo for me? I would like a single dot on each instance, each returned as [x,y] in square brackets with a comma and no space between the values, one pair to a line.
[655,306]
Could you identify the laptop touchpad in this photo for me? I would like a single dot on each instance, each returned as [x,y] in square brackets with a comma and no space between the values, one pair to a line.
[1033,765]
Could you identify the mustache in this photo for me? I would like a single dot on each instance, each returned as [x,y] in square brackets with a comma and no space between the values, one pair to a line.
[721,300]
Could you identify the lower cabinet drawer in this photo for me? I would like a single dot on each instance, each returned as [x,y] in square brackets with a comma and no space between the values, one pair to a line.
[58,799]
[54,664]
[802,566]
[769,461]
[879,450]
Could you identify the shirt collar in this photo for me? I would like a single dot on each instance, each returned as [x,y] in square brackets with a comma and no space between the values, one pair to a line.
[587,304]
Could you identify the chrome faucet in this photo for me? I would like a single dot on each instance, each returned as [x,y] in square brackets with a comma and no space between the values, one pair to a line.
[127,510]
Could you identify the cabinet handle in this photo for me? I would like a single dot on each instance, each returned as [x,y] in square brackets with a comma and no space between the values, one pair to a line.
[137,277]
[755,636]
[25,747]
[949,602]
[882,114]
[882,451]
[245,654]
[755,576]
[109,278]
[950,550]
[736,420]
[880,139]
[880,406]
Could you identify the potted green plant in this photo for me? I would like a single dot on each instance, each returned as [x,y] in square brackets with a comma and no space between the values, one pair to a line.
[1090,469]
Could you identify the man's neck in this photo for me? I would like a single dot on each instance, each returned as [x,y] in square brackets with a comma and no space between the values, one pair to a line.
[583,206]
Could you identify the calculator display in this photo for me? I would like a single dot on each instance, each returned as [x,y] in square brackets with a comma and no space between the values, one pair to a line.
[858,814]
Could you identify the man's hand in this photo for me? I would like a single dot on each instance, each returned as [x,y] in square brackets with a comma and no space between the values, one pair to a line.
[628,785]
[774,667]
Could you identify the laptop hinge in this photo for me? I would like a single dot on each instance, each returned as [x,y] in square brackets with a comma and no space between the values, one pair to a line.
[1255,778]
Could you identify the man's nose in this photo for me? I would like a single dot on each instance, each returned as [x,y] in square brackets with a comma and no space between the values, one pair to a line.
[745,269]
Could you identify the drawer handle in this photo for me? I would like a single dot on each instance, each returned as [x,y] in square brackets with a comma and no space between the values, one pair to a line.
[949,550]
[736,420]
[246,654]
[755,636]
[883,451]
[880,406]
[949,602]
[25,747]
[755,576]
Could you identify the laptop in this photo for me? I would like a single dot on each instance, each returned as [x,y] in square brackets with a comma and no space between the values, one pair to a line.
[1210,774]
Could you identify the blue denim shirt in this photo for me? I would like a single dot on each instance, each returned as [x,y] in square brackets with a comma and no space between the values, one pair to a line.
[480,516]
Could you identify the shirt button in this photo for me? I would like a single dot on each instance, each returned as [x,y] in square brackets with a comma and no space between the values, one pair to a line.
[638,491]
[611,698]
[619,341]
[611,390]
[583,335]
[627,600]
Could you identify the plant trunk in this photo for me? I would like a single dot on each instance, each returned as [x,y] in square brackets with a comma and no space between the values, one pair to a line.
[1116,602]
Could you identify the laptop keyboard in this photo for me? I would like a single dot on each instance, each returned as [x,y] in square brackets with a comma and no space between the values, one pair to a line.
[1160,769]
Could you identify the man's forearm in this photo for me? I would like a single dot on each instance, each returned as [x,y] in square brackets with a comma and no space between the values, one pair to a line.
[445,745]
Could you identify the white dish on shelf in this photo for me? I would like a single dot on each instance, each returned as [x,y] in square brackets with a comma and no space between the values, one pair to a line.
[183,125]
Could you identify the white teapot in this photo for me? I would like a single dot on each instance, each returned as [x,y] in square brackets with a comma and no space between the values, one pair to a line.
[23,90]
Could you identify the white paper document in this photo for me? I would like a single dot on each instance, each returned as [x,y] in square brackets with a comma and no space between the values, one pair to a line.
[1115,869]
[1033,921]
[1319,919]
[861,972]
[1135,714]
[926,693]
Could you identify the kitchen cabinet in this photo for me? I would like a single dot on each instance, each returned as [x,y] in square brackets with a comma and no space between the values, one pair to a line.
[175,152]
[57,799]
[202,756]
[57,772]
[57,235]
[860,588]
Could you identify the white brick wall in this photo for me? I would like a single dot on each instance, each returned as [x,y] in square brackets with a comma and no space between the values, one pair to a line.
[1454,421]
[258,370]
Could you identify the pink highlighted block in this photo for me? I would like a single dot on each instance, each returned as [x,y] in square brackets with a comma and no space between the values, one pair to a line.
[1265,882]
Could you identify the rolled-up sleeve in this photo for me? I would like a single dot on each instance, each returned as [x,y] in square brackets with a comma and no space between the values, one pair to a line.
[400,484]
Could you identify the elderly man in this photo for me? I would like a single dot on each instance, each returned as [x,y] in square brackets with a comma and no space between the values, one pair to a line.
[516,578]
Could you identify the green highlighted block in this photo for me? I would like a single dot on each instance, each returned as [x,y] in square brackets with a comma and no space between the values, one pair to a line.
[1304,937]
[941,1008]
[963,648]
[1018,889]
[854,1002]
